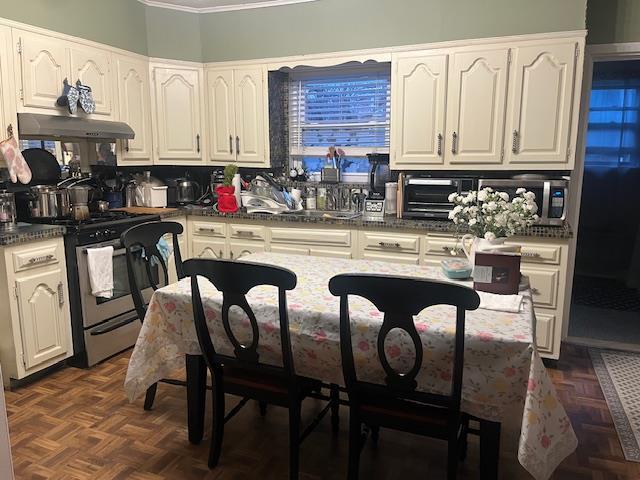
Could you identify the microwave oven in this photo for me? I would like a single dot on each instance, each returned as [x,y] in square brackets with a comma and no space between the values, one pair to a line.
[551,195]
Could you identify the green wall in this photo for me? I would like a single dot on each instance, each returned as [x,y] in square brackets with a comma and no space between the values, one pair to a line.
[613,21]
[173,34]
[320,26]
[334,25]
[120,23]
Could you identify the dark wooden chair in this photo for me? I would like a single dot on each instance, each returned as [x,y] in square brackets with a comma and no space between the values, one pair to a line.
[397,404]
[243,374]
[146,236]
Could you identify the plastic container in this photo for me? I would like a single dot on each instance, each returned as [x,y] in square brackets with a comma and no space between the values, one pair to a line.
[456,268]
[155,197]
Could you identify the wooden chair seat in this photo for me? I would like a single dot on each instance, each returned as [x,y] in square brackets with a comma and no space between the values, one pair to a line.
[406,415]
[239,379]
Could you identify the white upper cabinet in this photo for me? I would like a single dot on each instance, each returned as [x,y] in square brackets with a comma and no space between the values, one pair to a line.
[44,64]
[179,117]
[476,106]
[92,67]
[249,113]
[7,101]
[221,115]
[418,96]
[134,106]
[237,116]
[540,106]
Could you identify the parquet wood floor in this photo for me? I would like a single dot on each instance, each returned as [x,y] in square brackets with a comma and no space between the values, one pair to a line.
[78,424]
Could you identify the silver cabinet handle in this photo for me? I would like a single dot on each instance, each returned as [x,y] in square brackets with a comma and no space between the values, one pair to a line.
[60,294]
[126,144]
[439,144]
[389,244]
[207,229]
[231,255]
[42,259]
[220,254]
[244,233]
[198,142]
[238,145]
[454,143]
[530,254]
[515,143]
[230,144]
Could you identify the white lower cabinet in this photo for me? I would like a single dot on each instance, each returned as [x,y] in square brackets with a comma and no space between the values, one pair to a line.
[37,330]
[241,249]
[208,248]
[545,331]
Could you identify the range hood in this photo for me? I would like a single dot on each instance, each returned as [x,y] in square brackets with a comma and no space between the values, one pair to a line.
[52,126]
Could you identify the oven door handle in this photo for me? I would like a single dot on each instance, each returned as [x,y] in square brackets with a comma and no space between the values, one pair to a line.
[110,327]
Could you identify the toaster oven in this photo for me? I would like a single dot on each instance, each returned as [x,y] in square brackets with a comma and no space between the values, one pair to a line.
[426,197]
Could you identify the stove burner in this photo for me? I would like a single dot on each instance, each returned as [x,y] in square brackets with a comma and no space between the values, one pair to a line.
[94,219]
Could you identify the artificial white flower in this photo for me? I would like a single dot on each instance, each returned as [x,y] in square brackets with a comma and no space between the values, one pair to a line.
[504,196]
[482,195]
[520,191]
[452,197]
[490,236]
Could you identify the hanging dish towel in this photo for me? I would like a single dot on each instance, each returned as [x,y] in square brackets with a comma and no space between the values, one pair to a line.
[501,303]
[100,263]
[17,166]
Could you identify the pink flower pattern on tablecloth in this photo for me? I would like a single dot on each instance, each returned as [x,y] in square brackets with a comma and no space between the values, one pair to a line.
[502,370]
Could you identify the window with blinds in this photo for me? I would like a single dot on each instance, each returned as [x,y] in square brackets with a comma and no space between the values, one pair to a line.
[349,109]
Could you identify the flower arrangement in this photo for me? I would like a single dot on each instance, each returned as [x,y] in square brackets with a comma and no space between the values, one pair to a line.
[490,214]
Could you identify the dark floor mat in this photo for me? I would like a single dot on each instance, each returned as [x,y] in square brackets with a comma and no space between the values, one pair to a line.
[603,293]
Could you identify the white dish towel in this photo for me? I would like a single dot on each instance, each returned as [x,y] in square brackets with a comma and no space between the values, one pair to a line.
[501,303]
[100,263]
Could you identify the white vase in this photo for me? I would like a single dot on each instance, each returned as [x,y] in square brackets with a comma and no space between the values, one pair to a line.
[472,244]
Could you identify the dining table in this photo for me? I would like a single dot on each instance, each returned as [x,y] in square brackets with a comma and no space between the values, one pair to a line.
[503,371]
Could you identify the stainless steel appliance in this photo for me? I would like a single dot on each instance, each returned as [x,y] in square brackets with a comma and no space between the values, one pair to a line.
[426,197]
[101,327]
[551,194]
[187,191]
[379,174]
[7,210]
[47,201]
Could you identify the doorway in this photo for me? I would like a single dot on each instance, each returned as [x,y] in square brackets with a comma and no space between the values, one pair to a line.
[605,303]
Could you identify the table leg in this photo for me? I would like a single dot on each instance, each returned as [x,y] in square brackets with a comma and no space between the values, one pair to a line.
[489,449]
[196,396]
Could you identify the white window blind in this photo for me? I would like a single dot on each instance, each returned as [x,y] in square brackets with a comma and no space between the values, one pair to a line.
[345,108]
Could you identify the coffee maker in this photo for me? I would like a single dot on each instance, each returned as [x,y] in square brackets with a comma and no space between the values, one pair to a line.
[379,175]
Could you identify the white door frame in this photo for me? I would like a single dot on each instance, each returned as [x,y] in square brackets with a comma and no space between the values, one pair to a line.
[593,53]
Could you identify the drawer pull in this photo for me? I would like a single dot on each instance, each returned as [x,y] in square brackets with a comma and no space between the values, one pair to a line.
[530,254]
[42,259]
[244,233]
[389,244]
[60,294]
[206,229]
[535,291]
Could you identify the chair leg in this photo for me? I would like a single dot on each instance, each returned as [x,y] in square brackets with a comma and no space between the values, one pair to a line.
[263,408]
[335,408]
[354,444]
[375,434]
[294,440]
[150,396]
[452,458]
[464,437]
[217,431]
[489,449]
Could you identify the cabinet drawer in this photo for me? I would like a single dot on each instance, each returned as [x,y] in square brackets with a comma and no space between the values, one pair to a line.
[442,246]
[209,229]
[290,249]
[537,253]
[391,257]
[390,242]
[247,232]
[331,252]
[545,332]
[27,258]
[311,236]
[544,285]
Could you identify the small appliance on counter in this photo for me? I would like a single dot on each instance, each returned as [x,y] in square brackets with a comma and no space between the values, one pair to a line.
[182,191]
[426,197]
[150,192]
[551,194]
[374,205]
[7,211]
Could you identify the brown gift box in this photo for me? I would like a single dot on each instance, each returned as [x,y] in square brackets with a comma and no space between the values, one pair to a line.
[497,272]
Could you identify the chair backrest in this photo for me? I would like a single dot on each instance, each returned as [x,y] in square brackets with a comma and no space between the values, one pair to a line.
[146,236]
[400,299]
[234,279]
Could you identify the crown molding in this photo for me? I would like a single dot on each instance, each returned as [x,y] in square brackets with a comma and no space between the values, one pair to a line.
[222,8]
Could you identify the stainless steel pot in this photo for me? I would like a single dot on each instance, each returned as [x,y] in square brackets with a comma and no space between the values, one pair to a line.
[46,201]
[79,194]
[187,191]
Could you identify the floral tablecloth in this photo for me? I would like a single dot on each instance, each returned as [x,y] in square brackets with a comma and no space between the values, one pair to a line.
[502,369]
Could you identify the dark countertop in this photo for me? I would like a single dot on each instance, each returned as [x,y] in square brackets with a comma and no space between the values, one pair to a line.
[27,232]
[390,223]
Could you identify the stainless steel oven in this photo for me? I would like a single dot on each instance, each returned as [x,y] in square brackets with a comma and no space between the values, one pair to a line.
[111,325]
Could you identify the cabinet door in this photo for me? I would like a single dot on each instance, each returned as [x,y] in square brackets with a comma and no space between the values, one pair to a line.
[249,112]
[240,249]
[207,248]
[43,317]
[6,68]
[179,124]
[418,90]
[135,110]
[539,113]
[221,115]
[44,65]
[93,68]
[476,106]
